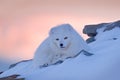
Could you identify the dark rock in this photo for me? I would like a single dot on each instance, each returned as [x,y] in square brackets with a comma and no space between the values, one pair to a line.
[13,65]
[12,77]
[112,25]
[91,39]
[1,72]
[58,62]
[91,30]
[87,53]
[114,38]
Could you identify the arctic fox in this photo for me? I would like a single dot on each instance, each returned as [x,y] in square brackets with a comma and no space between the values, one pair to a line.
[63,42]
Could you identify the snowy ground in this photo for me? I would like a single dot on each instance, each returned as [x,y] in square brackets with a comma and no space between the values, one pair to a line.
[103,65]
[4,64]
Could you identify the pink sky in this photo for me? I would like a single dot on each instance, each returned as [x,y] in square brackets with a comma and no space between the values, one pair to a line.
[24,24]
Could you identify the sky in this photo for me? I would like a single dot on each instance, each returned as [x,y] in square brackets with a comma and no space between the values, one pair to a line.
[24,24]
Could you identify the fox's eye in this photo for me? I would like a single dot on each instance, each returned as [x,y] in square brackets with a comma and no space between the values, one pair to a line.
[57,39]
[65,37]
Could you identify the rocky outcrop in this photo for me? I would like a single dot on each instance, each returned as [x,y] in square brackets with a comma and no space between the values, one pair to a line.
[13,65]
[91,30]
[112,25]
[12,77]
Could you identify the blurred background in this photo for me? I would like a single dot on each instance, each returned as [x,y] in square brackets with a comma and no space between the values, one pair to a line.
[24,24]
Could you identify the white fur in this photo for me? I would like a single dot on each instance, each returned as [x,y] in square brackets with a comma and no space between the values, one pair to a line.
[50,50]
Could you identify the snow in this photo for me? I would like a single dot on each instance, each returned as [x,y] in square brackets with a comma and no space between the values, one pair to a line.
[4,64]
[103,65]
[114,33]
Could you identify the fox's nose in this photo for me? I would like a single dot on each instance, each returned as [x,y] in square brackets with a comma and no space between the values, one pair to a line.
[61,45]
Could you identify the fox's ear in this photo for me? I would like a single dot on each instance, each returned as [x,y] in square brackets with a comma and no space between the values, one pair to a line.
[51,31]
[69,27]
